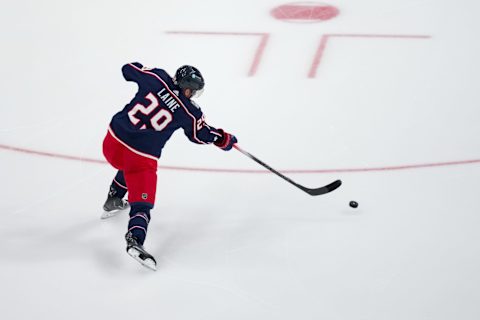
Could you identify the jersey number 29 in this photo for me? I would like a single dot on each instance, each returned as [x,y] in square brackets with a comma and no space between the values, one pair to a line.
[159,121]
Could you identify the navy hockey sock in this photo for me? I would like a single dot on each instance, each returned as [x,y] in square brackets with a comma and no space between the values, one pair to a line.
[118,188]
[139,219]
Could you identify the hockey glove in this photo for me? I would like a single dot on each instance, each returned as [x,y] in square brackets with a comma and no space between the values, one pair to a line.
[227,140]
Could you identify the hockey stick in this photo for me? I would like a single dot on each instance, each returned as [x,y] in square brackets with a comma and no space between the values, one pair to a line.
[313,192]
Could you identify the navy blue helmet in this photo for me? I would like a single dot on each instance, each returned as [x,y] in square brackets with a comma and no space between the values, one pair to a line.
[189,77]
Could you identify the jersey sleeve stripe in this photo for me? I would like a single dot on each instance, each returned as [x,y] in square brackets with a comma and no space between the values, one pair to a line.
[194,120]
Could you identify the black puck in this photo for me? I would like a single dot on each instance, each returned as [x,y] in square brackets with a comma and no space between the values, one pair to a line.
[353,204]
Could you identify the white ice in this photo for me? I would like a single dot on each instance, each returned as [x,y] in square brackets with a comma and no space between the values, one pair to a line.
[246,246]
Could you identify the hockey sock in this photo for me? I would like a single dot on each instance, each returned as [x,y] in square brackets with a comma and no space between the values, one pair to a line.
[118,188]
[139,219]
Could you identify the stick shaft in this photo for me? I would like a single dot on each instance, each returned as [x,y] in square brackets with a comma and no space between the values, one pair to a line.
[251,156]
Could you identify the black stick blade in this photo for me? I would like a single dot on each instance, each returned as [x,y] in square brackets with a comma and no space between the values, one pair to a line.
[313,192]
[325,189]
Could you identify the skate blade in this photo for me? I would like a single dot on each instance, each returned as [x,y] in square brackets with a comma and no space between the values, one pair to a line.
[149,263]
[113,213]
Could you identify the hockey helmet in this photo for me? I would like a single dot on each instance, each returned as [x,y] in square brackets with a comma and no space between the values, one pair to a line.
[189,77]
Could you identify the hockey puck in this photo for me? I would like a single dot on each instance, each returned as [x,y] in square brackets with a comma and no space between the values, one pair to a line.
[353,204]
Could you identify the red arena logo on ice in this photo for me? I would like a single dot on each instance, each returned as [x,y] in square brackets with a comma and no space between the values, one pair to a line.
[304,12]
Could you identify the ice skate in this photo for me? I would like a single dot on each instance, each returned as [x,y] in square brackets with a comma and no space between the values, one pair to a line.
[136,251]
[114,206]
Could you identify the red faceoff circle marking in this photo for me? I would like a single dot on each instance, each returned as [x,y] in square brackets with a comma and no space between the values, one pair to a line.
[304,12]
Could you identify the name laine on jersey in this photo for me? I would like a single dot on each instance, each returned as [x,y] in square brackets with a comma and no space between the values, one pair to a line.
[170,101]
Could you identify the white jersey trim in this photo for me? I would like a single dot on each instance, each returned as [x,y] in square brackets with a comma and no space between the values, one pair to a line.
[130,148]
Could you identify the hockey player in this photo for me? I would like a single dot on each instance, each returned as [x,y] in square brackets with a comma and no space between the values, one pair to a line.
[136,136]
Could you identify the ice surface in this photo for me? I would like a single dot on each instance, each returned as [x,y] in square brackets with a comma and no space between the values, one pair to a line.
[246,246]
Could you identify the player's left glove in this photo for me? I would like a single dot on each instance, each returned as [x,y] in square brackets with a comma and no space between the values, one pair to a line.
[227,140]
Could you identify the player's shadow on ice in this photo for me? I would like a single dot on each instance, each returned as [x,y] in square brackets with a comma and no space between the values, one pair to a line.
[173,238]
[89,241]
[200,239]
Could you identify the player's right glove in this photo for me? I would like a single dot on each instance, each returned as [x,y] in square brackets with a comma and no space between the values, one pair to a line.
[227,140]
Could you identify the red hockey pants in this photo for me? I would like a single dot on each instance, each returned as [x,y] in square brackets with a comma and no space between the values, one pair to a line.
[139,171]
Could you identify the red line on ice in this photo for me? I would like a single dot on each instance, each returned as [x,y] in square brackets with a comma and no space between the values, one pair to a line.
[219,170]
[324,40]
[264,37]
[258,55]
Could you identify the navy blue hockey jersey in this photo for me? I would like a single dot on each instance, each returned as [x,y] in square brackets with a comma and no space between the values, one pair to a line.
[157,110]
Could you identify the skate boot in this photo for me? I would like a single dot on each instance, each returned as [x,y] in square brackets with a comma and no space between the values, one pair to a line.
[137,252]
[113,206]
